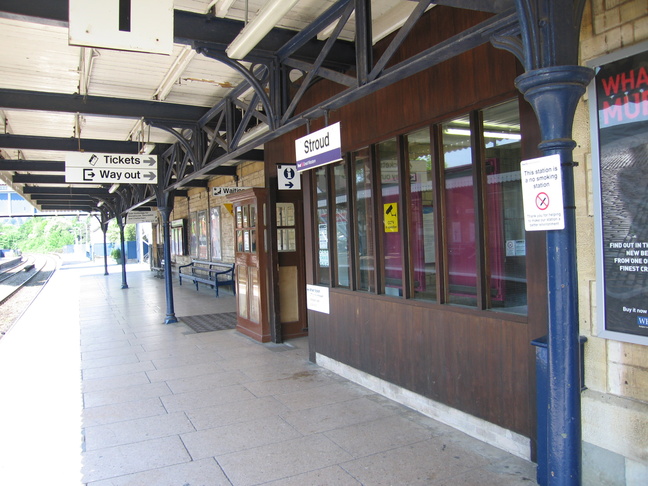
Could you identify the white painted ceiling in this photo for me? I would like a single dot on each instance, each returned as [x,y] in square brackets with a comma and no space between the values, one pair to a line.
[37,57]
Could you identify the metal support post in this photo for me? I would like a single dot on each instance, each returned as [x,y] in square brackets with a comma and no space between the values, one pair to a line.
[554,92]
[168,282]
[120,223]
[104,230]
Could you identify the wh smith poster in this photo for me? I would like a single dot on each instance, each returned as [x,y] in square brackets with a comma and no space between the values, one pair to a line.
[621,88]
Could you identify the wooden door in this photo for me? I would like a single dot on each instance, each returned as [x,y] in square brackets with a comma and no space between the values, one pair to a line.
[291,276]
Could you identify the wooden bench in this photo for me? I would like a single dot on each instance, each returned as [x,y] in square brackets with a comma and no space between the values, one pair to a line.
[210,273]
[159,271]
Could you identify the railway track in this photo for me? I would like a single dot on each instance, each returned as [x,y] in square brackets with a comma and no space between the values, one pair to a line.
[21,284]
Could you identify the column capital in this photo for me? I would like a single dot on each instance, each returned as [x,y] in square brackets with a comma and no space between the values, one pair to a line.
[554,92]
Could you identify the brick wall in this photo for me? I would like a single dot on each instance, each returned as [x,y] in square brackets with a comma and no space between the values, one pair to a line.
[250,174]
[615,406]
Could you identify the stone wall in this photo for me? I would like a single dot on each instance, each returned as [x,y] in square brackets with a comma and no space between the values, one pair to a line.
[615,405]
[249,174]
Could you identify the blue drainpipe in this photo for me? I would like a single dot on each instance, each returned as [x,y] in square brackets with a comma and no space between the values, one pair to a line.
[554,92]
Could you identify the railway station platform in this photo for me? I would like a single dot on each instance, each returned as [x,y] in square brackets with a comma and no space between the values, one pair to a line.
[97,390]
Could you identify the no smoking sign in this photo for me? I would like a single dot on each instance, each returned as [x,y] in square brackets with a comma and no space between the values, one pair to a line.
[542,201]
[542,194]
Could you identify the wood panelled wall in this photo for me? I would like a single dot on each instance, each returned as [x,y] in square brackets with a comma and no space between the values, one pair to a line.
[479,362]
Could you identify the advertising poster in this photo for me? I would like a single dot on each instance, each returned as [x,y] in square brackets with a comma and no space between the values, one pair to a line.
[202,235]
[621,89]
[215,226]
[193,235]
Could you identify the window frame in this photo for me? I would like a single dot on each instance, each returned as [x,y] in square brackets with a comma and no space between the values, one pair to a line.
[376,232]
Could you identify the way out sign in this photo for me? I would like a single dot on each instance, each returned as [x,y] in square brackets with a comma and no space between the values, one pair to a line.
[110,168]
[542,194]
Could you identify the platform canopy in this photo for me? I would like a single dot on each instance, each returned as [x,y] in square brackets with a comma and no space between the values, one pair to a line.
[205,106]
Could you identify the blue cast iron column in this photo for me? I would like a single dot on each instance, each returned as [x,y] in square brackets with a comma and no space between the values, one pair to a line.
[120,223]
[104,230]
[554,93]
[168,277]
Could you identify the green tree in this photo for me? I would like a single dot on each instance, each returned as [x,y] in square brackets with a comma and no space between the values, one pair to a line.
[9,236]
[129,232]
[112,234]
[41,234]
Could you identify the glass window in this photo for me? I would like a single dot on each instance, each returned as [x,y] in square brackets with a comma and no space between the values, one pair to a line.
[481,248]
[461,254]
[286,240]
[421,231]
[387,154]
[365,249]
[341,224]
[177,238]
[323,274]
[246,231]
[504,214]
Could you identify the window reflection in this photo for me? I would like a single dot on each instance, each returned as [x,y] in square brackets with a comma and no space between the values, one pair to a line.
[482,247]
[323,260]
[365,237]
[422,237]
[341,224]
[505,218]
[461,254]
[387,153]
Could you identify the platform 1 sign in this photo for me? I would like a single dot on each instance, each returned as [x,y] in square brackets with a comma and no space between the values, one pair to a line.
[542,195]
[110,168]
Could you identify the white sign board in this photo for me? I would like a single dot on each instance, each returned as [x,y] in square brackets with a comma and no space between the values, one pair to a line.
[288,178]
[110,168]
[136,25]
[317,299]
[319,148]
[224,191]
[135,217]
[542,194]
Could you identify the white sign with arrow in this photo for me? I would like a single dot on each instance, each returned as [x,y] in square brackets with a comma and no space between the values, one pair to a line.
[134,217]
[110,168]
[288,178]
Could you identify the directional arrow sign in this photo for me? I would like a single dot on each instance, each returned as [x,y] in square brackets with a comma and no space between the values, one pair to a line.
[112,161]
[141,217]
[110,176]
[110,168]
[288,177]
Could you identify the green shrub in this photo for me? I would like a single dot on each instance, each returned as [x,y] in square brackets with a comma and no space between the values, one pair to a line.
[116,254]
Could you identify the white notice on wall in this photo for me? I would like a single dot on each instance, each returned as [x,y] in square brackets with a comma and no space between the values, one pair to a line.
[317,299]
[542,194]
